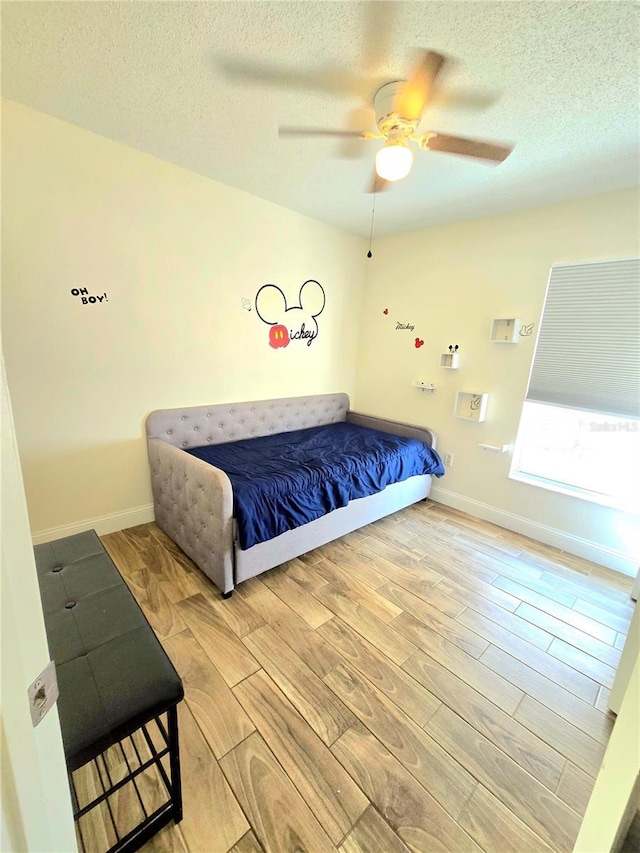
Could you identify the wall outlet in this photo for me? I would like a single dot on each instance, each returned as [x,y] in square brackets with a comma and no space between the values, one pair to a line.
[448,459]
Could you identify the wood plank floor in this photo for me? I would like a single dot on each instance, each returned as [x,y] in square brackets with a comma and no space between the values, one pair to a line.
[430,683]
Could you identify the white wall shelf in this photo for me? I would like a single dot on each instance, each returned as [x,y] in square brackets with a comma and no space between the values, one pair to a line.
[471,405]
[505,330]
[450,360]
[424,386]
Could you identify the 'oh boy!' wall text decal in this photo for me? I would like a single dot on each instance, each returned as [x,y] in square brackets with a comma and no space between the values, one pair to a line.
[291,323]
[83,293]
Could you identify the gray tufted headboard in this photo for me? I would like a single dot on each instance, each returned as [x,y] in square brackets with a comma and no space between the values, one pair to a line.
[199,425]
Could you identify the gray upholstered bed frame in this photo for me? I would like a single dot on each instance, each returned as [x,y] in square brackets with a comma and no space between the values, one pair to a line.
[193,500]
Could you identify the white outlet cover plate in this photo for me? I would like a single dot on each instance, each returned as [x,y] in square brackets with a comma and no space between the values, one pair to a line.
[43,693]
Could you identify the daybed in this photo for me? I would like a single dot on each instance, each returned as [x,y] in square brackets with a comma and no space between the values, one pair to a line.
[194,500]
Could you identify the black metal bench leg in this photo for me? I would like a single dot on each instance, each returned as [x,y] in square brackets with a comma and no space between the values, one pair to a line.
[174,762]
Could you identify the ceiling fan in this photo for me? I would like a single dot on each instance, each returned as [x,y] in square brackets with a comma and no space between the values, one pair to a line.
[399,106]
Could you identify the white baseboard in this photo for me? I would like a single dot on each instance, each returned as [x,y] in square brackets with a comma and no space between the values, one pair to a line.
[541,532]
[577,545]
[104,524]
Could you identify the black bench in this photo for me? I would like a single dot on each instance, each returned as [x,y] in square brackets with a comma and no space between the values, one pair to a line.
[114,680]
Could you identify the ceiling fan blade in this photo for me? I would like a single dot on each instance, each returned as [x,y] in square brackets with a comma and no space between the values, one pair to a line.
[379,19]
[320,131]
[324,80]
[468,147]
[359,120]
[413,96]
[471,99]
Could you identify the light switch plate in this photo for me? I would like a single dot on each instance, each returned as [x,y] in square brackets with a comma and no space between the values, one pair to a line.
[43,693]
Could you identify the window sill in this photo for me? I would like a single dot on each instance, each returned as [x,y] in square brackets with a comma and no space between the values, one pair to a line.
[630,506]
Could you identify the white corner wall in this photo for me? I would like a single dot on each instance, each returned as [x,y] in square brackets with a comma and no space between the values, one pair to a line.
[449,283]
[36,801]
[175,253]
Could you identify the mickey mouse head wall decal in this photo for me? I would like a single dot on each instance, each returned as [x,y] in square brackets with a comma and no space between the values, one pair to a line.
[291,323]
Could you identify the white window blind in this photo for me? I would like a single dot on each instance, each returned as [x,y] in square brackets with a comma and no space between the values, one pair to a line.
[588,350]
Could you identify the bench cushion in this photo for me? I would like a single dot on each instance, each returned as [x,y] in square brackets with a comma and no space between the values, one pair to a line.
[113,674]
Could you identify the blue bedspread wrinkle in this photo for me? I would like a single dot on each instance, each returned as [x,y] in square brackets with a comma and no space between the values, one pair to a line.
[288,479]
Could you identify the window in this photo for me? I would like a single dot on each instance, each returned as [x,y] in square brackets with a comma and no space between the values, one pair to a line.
[580,427]
[584,454]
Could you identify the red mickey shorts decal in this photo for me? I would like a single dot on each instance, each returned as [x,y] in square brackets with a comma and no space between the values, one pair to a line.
[278,336]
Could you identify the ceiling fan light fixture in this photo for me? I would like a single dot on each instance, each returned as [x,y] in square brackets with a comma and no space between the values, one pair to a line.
[394,161]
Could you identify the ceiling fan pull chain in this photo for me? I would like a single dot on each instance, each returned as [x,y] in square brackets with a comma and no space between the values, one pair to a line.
[369,253]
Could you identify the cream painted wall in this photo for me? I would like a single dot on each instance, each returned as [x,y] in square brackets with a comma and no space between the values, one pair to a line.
[450,282]
[175,253]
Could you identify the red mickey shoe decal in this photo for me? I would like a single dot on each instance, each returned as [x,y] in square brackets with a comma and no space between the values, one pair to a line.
[419,343]
[386,311]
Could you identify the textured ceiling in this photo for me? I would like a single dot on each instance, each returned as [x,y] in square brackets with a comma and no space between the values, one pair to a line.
[156,76]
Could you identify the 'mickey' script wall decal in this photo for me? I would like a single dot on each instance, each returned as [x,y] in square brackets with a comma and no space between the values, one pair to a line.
[406,327]
[291,323]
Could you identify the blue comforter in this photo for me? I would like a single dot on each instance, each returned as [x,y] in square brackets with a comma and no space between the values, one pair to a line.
[285,480]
